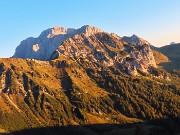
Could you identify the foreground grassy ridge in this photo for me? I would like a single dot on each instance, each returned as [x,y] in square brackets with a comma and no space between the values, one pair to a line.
[68,92]
[35,93]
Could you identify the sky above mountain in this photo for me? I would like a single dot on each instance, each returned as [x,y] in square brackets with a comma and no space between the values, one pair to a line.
[157,21]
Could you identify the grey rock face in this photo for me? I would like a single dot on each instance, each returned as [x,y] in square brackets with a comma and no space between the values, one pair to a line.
[95,49]
[115,35]
[134,39]
[91,44]
[42,47]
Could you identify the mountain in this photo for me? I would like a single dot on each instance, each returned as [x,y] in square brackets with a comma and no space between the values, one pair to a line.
[172,43]
[172,53]
[160,58]
[42,47]
[86,42]
[109,51]
[134,39]
[91,81]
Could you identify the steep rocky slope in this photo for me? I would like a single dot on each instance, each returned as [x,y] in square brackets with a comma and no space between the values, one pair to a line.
[93,45]
[172,53]
[43,46]
[134,39]
[109,51]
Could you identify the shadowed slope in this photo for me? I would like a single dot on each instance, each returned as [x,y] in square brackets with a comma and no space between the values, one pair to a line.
[157,127]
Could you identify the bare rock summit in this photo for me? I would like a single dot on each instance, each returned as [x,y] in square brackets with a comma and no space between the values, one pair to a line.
[42,47]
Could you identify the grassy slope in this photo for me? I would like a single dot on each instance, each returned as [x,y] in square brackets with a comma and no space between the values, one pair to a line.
[65,92]
[48,101]
[172,53]
[160,58]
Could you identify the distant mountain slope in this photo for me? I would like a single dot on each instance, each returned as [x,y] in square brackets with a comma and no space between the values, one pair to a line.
[172,52]
[159,57]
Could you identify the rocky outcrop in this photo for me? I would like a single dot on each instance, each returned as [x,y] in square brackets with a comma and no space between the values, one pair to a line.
[115,35]
[134,39]
[41,48]
[108,50]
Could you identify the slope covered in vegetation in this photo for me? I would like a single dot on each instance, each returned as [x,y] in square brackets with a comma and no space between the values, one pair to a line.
[67,92]
[93,79]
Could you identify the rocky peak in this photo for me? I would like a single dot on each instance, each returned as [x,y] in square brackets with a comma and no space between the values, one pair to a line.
[134,39]
[43,46]
[55,31]
[134,36]
[115,35]
[89,30]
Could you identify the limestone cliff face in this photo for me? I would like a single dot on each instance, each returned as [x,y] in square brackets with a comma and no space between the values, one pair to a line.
[127,54]
[41,48]
[108,50]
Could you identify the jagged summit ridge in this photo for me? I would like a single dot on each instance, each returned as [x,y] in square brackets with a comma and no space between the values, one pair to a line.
[108,50]
[43,46]
[57,30]
[92,44]
[89,30]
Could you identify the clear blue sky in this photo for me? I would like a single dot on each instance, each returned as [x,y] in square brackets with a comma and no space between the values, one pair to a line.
[157,21]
